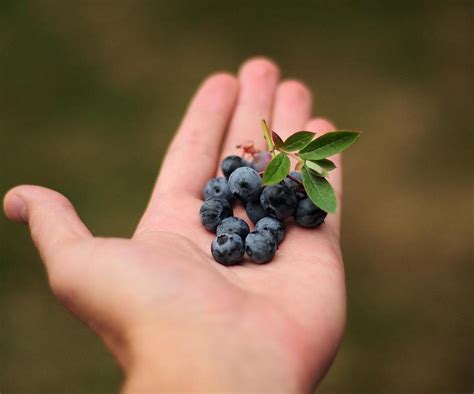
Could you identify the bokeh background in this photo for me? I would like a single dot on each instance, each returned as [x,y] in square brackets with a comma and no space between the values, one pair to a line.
[92,91]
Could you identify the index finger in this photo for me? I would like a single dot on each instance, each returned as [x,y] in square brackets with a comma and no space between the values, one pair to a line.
[192,156]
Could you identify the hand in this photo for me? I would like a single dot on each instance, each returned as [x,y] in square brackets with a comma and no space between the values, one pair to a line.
[173,317]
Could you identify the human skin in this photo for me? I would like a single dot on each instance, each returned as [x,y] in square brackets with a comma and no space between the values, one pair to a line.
[175,319]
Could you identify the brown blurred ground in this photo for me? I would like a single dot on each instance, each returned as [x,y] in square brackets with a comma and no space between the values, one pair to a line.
[91,92]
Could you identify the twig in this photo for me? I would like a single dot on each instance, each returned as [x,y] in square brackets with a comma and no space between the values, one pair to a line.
[295,180]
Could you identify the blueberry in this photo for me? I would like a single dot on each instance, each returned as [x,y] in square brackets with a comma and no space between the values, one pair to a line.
[261,246]
[276,227]
[227,249]
[260,161]
[245,184]
[295,186]
[309,215]
[233,225]
[213,210]
[231,163]
[278,201]
[218,187]
[255,211]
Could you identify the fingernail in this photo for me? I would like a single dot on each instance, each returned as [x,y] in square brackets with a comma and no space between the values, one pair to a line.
[19,207]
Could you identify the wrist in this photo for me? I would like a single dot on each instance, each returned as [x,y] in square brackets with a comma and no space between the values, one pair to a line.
[188,361]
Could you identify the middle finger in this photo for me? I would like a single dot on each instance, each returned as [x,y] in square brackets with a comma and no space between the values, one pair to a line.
[258,79]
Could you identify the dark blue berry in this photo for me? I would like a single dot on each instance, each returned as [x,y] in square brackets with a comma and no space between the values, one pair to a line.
[260,161]
[213,210]
[231,163]
[275,226]
[309,215]
[218,187]
[261,246]
[233,225]
[278,201]
[255,211]
[245,184]
[227,249]
[296,187]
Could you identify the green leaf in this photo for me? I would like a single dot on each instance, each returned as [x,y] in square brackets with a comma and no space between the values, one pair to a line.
[319,190]
[267,136]
[277,169]
[320,171]
[328,144]
[277,140]
[327,164]
[298,140]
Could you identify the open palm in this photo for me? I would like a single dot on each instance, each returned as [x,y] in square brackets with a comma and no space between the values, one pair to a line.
[249,327]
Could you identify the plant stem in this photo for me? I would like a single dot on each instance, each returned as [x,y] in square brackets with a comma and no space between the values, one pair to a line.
[268,138]
[293,156]
[295,180]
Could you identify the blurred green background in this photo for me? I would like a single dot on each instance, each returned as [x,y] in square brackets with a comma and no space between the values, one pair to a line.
[92,91]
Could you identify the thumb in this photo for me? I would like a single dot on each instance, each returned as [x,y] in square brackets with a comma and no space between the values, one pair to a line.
[51,217]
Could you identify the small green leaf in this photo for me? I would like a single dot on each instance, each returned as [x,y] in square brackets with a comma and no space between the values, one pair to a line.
[267,136]
[277,140]
[328,144]
[319,190]
[277,169]
[298,140]
[320,171]
[327,164]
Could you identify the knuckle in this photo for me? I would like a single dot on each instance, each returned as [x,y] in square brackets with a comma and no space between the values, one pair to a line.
[38,224]
[62,202]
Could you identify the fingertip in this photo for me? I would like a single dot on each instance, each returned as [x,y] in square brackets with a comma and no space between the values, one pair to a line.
[14,207]
[221,79]
[292,107]
[320,125]
[38,193]
[17,200]
[259,67]
[51,216]
[294,91]
[221,83]
[218,93]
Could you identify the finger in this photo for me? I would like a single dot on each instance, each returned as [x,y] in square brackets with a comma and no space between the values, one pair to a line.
[52,219]
[192,157]
[321,126]
[292,108]
[258,78]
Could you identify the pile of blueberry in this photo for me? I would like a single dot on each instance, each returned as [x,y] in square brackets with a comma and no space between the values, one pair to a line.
[266,206]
